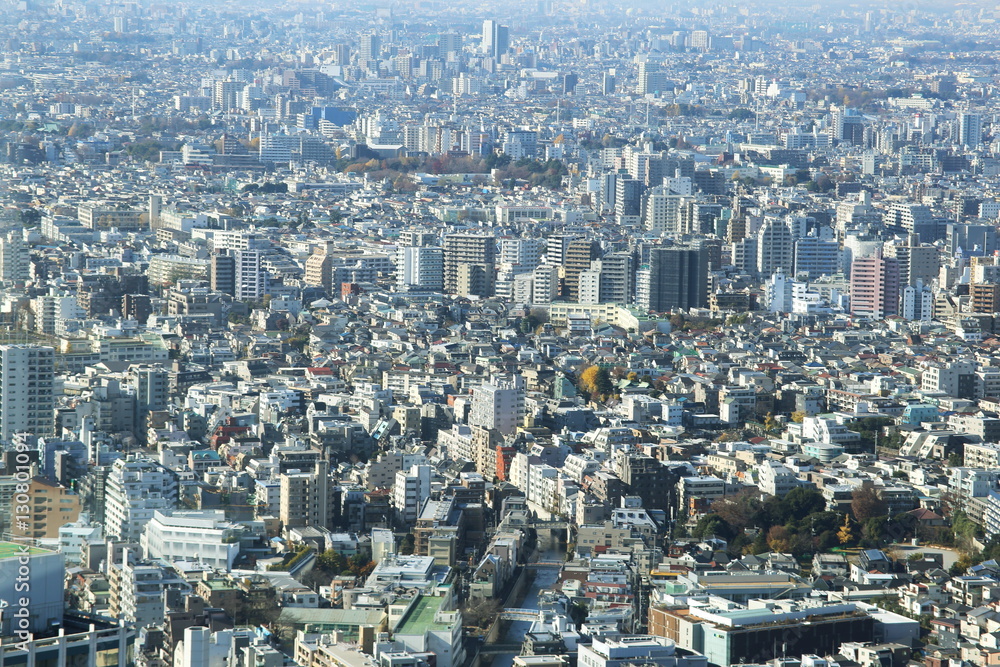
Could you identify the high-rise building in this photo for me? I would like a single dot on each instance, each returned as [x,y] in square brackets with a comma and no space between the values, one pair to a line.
[875,286]
[411,488]
[917,302]
[579,254]
[525,253]
[616,279]
[912,218]
[222,273]
[251,278]
[652,81]
[499,404]
[14,256]
[420,268]
[305,497]
[470,251]
[775,247]
[370,49]
[136,488]
[815,257]
[628,200]
[496,38]
[26,383]
[917,261]
[969,130]
[319,269]
[661,211]
[544,284]
[676,277]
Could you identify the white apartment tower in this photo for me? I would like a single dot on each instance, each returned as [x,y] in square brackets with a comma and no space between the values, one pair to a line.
[136,489]
[420,268]
[251,278]
[411,489]
[499,404]
[26,400]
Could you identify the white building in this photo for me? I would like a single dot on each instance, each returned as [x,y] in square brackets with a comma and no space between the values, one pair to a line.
[778,293]
[499,404]
[411,489]
[775,479]
[636,649]
[73,535]
[200,536]
[136,489]
[420,267]
[251,278]
[26,385]
[917,302]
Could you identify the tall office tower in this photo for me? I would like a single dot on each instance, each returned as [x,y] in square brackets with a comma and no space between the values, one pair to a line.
[342,55]
[251,278]
[608,84]
[370,48]
[651,80]
[499,404]
[775,247]
[420,269]
[969,130]
[874,286]
[496,39]
[469,264]
[628,200]
[525,253]
[449,42]
[14,256]
[815,257]
[917,261]
[26,385]
[305,497]
[676,277]
[136,488]
[661,211]
[223,273]
[579,254]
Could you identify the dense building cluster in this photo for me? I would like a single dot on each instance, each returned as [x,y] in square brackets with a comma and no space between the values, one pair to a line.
[541,335]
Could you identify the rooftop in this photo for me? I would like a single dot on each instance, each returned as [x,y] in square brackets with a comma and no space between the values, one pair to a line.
[13,550]
[422,617]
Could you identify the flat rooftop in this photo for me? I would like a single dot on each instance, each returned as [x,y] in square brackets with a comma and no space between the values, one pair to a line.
[421,617]
[13,550]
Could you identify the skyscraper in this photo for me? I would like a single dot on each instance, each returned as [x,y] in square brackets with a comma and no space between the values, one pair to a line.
[496,38]
[26,381]
[676,277]
[970,130]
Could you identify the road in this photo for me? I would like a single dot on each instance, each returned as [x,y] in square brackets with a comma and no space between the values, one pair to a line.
[545,578]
